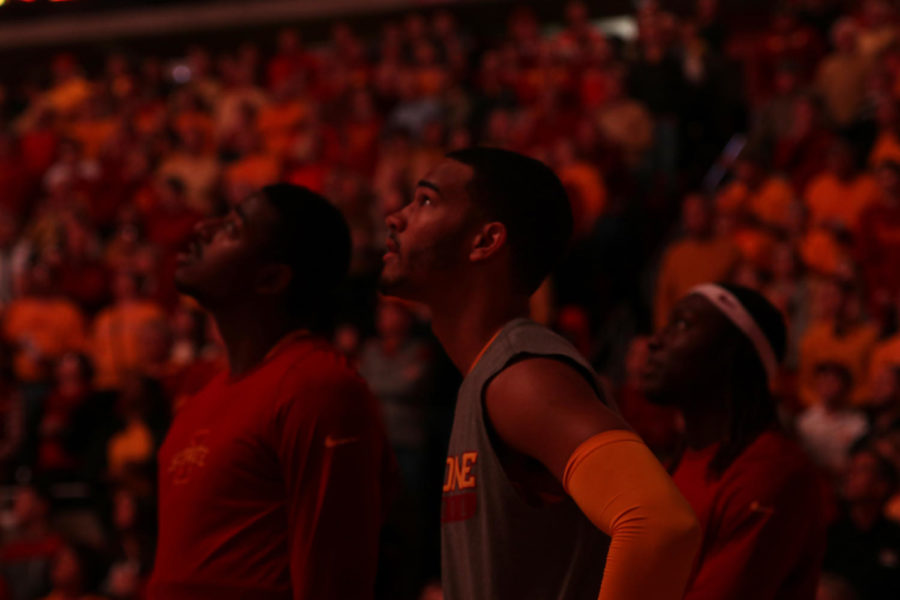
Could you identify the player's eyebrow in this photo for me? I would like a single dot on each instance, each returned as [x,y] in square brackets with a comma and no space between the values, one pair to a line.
[427,184]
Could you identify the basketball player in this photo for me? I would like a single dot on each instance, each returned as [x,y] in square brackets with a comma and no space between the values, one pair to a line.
[754,491]
[540,473]
[271,477]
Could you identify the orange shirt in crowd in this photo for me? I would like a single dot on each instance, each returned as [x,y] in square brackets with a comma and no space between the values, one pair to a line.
[256,171]
[589,198]
[771,204]
[133,445]
[116,339]
[886,354]
[754,244]
[276,122]
[688,263]
[821,344]
[886,147]
[820,252]
[42,329]
[68,95]
[829,199]
[93,134]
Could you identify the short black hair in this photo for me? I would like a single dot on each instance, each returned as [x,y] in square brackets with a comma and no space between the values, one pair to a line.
[313,238]
[529,199]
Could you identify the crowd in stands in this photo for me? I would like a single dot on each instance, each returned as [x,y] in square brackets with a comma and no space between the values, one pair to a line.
[702,148]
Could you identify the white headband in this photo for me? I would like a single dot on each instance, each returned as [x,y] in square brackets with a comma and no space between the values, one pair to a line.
[731,307]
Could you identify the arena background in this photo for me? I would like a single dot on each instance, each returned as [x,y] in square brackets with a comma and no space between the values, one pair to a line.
[749,119]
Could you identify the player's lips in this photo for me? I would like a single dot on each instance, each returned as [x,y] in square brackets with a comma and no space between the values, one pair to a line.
[392,248]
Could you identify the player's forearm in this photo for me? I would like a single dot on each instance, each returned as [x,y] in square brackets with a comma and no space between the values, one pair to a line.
[625,492]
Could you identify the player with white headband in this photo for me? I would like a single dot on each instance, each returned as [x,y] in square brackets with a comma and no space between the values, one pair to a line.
[754,491]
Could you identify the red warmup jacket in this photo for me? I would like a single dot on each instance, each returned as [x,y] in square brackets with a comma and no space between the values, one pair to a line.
[272,485]
[763,522]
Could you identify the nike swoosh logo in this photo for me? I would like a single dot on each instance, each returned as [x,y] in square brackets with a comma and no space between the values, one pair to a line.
[333,442]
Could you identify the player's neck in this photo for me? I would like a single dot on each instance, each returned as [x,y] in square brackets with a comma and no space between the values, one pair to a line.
[704,427]
[250,334]
[465,325]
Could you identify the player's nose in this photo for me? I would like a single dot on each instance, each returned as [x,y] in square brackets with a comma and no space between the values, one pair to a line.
[396,221]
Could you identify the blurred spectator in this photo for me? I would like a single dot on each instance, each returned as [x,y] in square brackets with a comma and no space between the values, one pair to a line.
[584,182]
[883,401]
[838,334]
[74,375]
[14,254]
[141,408]
[801,150]
[788,289]
[887,142]
[776,116]
[879,239]
[197,167]
[756,193]
[395,364]
[42,325]
[863,546]
[116,342]
[829,427]
[699,257]
[626,123]
[31,545]
[877,28]
[76,573]
[12,418]
[14,176]
[134,546]
[841,75]
[84,277]
[836,197]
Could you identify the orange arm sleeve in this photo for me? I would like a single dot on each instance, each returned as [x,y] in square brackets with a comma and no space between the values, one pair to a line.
[626,493]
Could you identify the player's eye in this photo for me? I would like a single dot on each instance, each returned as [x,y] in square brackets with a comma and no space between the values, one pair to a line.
[424,200]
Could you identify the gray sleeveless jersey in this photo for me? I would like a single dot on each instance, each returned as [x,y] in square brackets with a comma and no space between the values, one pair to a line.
[495,545]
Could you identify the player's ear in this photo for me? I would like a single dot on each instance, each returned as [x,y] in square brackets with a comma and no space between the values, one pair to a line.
[273,278]
[488,241]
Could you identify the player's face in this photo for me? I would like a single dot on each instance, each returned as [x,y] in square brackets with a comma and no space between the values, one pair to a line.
[687,354]
[221,262]
[429,239]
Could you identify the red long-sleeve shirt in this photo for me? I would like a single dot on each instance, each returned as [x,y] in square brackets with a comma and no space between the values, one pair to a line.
[763,523]
[272,484]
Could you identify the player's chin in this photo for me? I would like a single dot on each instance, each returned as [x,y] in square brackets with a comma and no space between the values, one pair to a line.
[653,387]
[394,285]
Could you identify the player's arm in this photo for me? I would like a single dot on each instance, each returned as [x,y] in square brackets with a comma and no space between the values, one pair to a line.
[544,409]
[331,451]
[764,533]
